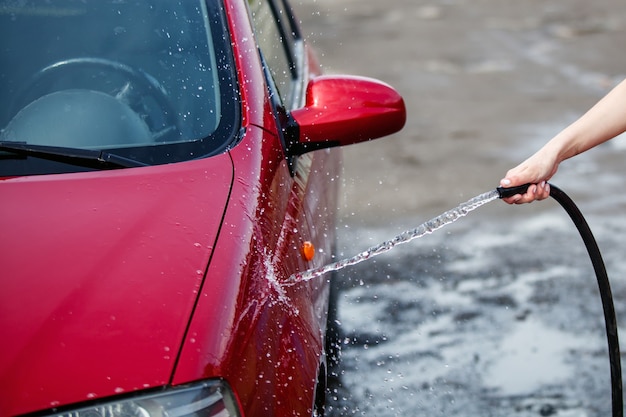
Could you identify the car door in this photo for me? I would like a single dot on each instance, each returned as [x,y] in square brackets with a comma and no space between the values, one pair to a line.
[310,210]
[307,186]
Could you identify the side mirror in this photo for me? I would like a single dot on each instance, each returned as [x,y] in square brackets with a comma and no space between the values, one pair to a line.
[341,110]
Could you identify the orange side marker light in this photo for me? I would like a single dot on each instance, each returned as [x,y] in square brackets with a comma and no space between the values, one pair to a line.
[308,250]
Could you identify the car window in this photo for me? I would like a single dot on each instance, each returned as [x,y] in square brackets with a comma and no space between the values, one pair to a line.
[152,77]
[277,37]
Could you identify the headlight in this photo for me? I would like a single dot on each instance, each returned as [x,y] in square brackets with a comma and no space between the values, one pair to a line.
[207,399]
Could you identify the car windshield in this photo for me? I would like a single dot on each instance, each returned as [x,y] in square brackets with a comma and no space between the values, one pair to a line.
[148,80]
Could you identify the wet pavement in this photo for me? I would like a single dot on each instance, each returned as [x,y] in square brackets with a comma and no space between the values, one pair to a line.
[483,318]
[499,313]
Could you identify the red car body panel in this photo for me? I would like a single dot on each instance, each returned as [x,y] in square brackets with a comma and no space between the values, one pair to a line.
[266,231]
[106,268]
[118,281]
[104,272]
[268,318]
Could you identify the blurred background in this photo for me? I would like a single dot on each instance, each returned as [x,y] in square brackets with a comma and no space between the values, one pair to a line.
[486,82]
[498,314]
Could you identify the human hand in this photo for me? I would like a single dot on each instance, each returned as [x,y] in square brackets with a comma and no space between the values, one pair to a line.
[534,192]
[536,170]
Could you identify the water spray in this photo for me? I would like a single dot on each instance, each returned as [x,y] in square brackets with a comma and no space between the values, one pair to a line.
[405,237]
[470,205]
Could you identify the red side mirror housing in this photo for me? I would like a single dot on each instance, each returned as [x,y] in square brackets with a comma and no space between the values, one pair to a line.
[342,110]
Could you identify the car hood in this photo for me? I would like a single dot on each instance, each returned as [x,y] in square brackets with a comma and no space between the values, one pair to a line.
[100,274]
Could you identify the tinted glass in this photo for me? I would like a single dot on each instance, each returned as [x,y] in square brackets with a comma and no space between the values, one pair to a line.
[274,40]
[148,80]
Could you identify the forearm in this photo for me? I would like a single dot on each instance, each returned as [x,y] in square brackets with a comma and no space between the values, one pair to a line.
[602,122]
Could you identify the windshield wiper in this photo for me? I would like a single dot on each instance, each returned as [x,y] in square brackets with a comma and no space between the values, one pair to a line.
[88,158]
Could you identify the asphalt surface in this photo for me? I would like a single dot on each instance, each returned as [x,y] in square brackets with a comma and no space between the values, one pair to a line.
[499,313]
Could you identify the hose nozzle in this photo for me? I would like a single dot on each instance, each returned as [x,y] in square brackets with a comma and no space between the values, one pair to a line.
[511,191]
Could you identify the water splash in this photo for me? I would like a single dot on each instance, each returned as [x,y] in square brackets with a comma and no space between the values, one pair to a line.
[425,228]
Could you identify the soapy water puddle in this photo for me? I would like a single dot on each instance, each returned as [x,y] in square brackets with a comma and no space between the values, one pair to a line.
[488,320]
[529,350]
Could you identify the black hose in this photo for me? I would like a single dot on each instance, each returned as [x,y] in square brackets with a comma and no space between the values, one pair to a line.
[610,320]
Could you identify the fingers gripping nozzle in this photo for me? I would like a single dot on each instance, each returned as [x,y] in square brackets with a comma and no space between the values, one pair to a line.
[511,191]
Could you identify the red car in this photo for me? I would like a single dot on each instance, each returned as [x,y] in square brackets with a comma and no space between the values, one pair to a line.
[165,166]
